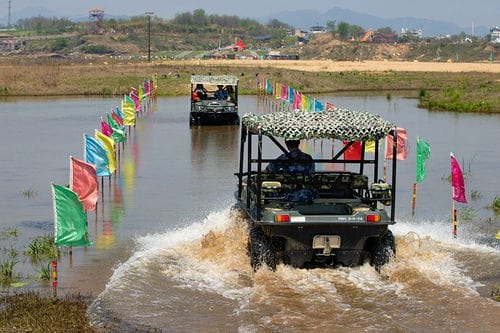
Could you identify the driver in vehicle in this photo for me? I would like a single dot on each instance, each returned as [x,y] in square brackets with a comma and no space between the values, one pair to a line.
[305,165]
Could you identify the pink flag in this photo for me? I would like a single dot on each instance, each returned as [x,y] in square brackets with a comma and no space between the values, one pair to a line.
[83,181]
[457,181]
[330,106]
[105,128]
[297,100]
[401,146]
[284,92]
[135,97]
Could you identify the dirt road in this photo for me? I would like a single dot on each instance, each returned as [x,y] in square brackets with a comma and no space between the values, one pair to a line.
[373,66]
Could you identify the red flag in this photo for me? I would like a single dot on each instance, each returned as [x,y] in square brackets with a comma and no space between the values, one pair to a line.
[117,118]
[401,148]
[105,128]
[83,181]
[330,106]
[353,152]
[457,181]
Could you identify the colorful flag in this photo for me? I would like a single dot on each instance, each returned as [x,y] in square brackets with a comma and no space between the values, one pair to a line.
[330,106]
[109,145]
[269,87]
[135,97]
[369,146]
[155,81]
[105,128]
[83,181]
[353,152]
[304,103]
[401,151]
[117,133]
[128,111]
[70,220]
[284,92]
[142,94]
[119,113]
[297,100]
[96,154]
[147,87]
[423,154]
[118,119]
[291,94]
[277,91]
[457,181]
[318,106]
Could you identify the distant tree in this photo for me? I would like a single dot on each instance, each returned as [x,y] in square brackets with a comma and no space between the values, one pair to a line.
[343,30]
[199,17]
[46,25]
[332,26]
[386,30]
[355,30]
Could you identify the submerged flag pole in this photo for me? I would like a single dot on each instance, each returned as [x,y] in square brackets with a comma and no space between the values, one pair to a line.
[458,189]
[423,154]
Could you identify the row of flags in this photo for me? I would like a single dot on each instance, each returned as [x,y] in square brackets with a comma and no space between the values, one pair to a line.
[293,97]
[71,203]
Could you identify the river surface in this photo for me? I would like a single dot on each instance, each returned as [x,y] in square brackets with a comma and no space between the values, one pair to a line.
[168,254]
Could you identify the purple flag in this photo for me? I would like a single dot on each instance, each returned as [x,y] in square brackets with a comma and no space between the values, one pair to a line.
[457,181]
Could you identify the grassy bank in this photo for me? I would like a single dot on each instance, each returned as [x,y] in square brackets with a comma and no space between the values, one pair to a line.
[32,312]
[480,91]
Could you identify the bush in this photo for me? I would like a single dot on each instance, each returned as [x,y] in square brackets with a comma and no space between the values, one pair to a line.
[97,49]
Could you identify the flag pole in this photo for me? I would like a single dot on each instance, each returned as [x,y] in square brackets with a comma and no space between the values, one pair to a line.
[454,211]
[414,199]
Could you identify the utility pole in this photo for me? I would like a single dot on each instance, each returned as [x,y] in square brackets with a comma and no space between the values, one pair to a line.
[8,23]
[149,14]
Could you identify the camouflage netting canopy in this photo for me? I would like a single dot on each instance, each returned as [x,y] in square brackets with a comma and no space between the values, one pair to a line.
[339,124]
[214,79]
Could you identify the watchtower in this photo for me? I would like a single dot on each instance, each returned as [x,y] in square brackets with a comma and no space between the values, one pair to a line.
[96,17]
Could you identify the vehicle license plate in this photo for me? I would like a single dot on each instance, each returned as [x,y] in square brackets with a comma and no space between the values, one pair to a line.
[324,241]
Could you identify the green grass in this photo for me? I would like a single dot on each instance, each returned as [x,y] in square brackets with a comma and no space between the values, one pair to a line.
[42,248]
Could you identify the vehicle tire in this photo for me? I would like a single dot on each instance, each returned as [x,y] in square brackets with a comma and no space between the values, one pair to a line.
[260,250]
[383,251]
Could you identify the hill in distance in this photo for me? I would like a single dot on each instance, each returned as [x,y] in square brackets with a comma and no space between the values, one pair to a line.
[307,18]
[304,19]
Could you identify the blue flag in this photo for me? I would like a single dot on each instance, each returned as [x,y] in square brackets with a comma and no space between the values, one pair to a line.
[318,105]
[96,154]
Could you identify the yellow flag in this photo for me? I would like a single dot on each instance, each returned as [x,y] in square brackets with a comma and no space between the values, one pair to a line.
[109,146]
[498,235]
[277,93]
[128,109]
[369,146]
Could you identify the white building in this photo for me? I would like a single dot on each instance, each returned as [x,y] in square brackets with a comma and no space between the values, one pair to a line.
[495,35]
[414,33]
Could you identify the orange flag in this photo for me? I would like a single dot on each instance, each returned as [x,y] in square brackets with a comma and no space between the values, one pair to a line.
[83,181]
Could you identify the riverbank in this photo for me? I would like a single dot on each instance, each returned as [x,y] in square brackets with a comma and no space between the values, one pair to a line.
[476,86]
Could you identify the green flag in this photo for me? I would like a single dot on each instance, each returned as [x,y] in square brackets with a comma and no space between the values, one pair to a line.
[118,135]
[423,154]
[70,218]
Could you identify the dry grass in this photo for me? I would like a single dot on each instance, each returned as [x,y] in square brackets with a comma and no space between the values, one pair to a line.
[104,77]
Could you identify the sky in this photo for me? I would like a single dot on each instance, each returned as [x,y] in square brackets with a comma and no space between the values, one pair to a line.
[461,12]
